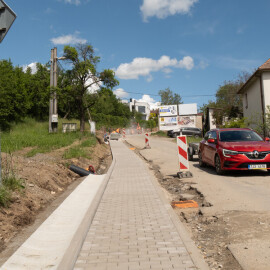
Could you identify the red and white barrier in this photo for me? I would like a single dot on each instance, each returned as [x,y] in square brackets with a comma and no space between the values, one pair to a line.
[183,153]
[124,133]
[147,143]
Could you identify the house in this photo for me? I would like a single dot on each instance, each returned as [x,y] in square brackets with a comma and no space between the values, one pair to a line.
[141,107]
[256,96]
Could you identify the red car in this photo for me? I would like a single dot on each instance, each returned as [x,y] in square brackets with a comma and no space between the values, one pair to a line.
[234,149]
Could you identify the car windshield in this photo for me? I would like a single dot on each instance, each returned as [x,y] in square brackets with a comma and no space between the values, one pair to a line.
[239,135]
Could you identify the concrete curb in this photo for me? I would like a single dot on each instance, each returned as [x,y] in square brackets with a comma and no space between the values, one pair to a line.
[71,254]
[57,242]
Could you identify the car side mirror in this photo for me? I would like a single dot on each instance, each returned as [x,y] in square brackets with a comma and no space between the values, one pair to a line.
[211,141]
[267,139]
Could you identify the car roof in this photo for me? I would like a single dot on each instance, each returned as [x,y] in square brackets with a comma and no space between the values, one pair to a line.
[229,129]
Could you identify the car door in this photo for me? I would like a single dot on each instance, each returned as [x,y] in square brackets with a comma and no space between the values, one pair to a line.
[203,147]
[210,148]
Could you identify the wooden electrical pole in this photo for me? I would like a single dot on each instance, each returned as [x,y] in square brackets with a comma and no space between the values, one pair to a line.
[53,116]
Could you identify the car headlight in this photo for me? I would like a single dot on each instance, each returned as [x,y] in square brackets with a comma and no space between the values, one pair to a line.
[229,153]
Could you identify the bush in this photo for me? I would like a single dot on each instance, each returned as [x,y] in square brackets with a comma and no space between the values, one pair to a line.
[236,123]
[103,120]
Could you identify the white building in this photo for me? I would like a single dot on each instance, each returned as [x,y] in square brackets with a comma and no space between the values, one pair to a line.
[256,95]
[141,107]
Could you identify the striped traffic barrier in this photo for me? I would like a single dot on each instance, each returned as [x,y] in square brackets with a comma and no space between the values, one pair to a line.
[183,157]
[147,143]
[124,133]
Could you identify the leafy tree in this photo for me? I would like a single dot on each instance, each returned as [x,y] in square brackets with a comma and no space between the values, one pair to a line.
[14,100]
[83,75]
[169,98]
[39,92]
[227,98]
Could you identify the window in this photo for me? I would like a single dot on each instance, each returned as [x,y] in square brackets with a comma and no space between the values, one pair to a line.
[239,135]
[206,137]
[141,109]
[246,100]
[213,135]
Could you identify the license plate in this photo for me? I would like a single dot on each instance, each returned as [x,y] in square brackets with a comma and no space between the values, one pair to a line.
[256,166]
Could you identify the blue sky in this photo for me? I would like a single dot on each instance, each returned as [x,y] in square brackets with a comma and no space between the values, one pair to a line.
[191,46]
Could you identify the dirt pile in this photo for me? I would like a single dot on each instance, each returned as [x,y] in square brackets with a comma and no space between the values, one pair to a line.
[45,177]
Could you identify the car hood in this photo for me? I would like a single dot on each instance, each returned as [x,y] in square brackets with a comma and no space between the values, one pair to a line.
[246,146]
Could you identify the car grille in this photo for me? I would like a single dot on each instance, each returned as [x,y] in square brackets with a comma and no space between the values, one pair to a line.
[245,165]
[251,155]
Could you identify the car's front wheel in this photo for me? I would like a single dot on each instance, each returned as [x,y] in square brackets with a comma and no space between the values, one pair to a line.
[218,167]
[201,163]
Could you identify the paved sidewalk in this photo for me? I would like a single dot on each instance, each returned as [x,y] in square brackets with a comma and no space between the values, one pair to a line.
[132,228]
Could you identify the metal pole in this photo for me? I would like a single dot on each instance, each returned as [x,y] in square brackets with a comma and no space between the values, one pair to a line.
[55,85]
[51,99]
[0,162]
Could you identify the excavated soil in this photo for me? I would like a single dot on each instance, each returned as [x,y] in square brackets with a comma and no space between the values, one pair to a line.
[46,178]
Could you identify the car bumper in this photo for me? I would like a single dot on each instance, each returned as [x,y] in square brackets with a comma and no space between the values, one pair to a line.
[241,162]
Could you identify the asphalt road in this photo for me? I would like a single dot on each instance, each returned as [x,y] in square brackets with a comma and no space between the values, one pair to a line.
[246,192]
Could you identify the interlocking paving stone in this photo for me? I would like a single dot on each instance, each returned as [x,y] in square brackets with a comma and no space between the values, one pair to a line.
[132,228]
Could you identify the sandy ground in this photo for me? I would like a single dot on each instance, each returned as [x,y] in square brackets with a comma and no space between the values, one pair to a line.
[47,181]
[233,213]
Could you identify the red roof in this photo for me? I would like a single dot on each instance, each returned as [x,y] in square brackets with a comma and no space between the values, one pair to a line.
[266,65]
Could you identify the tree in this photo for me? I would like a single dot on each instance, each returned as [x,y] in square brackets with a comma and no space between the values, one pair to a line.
[39,91]
[228,101]
[14,100]
[169,98]
[84,75]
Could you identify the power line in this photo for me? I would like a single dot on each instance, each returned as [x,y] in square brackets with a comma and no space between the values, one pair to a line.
[181,96]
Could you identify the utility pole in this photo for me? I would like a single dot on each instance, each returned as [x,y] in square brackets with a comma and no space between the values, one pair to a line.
[53,116]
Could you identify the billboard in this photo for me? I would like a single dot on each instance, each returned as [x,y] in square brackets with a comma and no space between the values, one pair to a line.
[167,123]
[187,121]
[168,110]
[187,109]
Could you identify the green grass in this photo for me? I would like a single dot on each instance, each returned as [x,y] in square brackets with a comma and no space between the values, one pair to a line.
[160,133]
[192,139]
[9,184]
[79,150]
[12,183]
[35,134]
[5,196]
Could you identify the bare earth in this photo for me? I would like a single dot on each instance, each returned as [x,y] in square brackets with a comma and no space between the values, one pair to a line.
[47,181]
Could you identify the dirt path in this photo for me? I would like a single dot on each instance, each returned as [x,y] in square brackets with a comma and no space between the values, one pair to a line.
[47,181]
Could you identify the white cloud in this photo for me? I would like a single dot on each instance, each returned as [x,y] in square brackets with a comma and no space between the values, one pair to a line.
[33,67]
[203,64]
[94,87]
[121,93]
[144,66]
[164,8]
[153,104]
[73,2]
[68,39]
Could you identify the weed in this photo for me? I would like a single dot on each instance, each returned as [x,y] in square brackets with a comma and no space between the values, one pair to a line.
[5,196]
[76,152]
[9,181]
